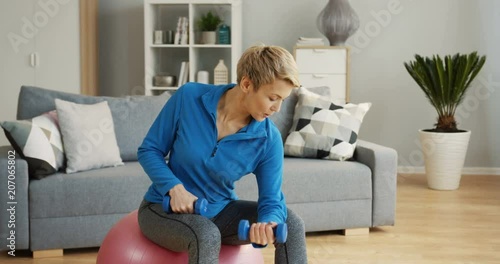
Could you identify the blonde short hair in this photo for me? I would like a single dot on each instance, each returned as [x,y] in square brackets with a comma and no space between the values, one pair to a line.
[264,64]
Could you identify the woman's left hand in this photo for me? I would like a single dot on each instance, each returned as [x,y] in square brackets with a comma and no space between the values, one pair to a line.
[262,233]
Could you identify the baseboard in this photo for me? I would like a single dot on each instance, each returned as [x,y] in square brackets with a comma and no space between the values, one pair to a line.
[465,171]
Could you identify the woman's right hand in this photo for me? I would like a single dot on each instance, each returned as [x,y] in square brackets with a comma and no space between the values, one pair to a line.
[181,201]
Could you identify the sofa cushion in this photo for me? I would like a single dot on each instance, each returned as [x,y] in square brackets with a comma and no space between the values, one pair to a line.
[315,180]
[38,141]
[88,135]
[322,129]
[284,118]
[132,115]
[95,192]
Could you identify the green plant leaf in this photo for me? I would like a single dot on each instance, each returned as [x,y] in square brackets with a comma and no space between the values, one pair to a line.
[445,82]
[209,22]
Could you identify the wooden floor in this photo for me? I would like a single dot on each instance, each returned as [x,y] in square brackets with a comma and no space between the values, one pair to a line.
[461,226]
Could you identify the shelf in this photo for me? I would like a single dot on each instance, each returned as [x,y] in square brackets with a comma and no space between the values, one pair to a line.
[168,46]
[228,46]
[218,46]
[161,88]
[166,59]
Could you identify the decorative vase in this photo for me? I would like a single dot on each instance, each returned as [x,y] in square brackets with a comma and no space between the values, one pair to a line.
[444,155]
[224,34]
[220,73]
[202,77]
[337,21]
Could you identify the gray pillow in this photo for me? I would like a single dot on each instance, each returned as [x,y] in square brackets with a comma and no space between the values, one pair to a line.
[88,136]
[284,118]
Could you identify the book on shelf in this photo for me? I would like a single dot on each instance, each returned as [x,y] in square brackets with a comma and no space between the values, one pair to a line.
[182,31]
[184,73]
[181,73]
[177,36]
[304,41]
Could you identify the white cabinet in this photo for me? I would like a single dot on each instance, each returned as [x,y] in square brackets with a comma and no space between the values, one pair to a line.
[166,59]
[40,46]
[325,66]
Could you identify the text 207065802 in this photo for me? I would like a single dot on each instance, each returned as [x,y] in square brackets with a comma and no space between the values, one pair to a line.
[11,204]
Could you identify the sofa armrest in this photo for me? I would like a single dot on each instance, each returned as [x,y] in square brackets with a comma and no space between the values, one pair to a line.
[383,162]
[14,219]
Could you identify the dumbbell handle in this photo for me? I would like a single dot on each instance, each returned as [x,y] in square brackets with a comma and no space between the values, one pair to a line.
[280,231]
[200,206]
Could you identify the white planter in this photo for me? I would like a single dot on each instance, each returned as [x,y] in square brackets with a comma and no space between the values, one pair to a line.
[208,37]
[444,155]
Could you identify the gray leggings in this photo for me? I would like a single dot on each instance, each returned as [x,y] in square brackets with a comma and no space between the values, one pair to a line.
[202,237]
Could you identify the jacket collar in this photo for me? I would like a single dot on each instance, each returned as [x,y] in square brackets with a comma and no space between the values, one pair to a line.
[210,101]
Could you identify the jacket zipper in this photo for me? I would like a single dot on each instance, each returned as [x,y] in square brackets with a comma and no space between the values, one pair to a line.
[215,150]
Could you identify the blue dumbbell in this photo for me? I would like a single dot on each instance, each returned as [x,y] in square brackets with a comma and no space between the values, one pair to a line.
[280,232]
[200,206]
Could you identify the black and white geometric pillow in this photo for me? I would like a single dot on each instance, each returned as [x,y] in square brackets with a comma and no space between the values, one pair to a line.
[38,141]
[322,129]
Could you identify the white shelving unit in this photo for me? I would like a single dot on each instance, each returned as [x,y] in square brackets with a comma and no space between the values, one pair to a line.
[163,59]
[325,66]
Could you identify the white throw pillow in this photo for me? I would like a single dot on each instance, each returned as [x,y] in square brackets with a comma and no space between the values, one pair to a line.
[322,129]
[88,136]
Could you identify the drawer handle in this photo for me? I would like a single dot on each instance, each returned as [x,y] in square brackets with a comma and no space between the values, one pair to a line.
[319,50]
[319,76]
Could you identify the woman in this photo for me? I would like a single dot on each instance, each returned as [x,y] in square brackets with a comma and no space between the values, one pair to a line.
[215,135]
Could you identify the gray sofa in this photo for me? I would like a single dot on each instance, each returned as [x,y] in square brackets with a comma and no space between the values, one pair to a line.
[77,210]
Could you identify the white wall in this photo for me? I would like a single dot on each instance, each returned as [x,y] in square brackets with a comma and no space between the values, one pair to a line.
[380,47]
[48,28]
[400,108]
[391,32]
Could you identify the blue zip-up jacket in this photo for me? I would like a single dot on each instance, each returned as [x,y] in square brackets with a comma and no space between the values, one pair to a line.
[186,128]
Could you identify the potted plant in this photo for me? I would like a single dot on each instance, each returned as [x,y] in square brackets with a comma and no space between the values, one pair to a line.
[208,24]
[444,83]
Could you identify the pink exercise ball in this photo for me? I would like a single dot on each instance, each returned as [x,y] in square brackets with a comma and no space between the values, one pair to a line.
[125,244]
